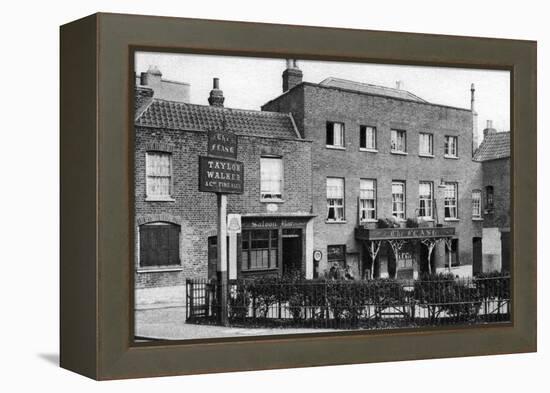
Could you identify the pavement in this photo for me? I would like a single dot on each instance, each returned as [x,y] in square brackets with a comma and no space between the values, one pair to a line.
[168,323]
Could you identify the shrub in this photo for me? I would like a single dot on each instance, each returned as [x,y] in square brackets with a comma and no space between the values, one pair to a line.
[411,223]
[264,291]
[239,302]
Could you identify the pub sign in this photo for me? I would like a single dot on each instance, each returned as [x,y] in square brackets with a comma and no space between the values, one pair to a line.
[222,144]
[220,175]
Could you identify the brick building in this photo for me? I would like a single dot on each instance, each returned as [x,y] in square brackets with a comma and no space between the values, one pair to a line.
[164,89]
[494,156]
[382,153]
[175,224]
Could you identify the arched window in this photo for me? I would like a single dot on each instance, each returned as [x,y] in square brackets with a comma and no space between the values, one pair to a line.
[489,199]
[159,245]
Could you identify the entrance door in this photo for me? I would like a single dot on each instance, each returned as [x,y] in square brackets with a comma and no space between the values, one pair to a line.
[292,251]
[477,255]
[505,251]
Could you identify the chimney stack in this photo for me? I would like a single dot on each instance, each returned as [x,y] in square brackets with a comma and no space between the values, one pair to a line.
[151,78]
[292,76]
[216,95]
[475,136]
[489,129]
[399,85]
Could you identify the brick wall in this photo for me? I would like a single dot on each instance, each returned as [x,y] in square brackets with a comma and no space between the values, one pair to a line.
[195,211]
[313,106]
[496,173]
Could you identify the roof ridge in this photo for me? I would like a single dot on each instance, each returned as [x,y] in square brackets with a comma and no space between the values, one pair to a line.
[273,113]
[372,85]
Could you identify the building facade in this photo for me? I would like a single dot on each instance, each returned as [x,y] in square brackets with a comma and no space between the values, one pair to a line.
[494,156]
[384,162]
[175,223]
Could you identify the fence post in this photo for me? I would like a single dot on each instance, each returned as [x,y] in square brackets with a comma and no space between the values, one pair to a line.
[190,300]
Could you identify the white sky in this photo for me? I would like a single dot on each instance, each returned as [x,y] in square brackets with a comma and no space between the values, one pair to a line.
[249,82]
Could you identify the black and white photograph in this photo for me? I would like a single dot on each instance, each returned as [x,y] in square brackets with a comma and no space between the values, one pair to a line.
[292,196]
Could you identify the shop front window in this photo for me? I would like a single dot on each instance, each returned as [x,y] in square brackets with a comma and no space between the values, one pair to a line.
[259,249]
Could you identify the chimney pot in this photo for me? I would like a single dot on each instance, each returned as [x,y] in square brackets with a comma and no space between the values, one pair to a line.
[398,85]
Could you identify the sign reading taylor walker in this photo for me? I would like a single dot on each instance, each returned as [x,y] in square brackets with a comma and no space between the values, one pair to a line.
[220,175]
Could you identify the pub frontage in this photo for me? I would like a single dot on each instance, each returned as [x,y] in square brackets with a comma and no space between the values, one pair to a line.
[269,245]
[404,253]
[186,157]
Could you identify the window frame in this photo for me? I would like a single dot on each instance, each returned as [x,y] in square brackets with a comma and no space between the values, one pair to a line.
[282,169]
[343,204]
[397,132]
[159,198]
[431,200]
[363,129]
[404,202]
[456,217]
[375,199]
[489,199]
[431,143]
[446,146]
[161,267]
[343,136]
[330,262]
[479,205]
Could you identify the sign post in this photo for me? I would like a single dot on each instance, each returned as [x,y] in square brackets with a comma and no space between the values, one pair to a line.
[233,228]
[221,173]
[222,257]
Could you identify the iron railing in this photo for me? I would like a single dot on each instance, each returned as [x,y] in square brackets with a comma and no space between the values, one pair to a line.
[367,304]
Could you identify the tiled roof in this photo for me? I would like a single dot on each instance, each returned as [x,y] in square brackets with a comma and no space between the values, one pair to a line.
[183,116]
[495,145]
[370,89]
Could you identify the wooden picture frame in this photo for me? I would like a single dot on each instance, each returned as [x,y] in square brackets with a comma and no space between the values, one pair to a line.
[96,195]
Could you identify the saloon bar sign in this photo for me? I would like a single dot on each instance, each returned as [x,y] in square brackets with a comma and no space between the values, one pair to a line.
[220,175]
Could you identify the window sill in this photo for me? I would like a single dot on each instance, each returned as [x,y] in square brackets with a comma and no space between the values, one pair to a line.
[336,222]
[266,200]
[159,269]
[335,147]
[368,150]
[426,155]
[450,157]
[369,221]
[159,199]
[477,219]
[426,219]
[399,153]
[451,219]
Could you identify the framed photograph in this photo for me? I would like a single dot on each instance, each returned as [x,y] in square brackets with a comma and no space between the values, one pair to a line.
[241,196]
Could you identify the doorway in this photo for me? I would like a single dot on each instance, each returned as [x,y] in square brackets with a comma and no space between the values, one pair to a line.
[477,255]
[292,252]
